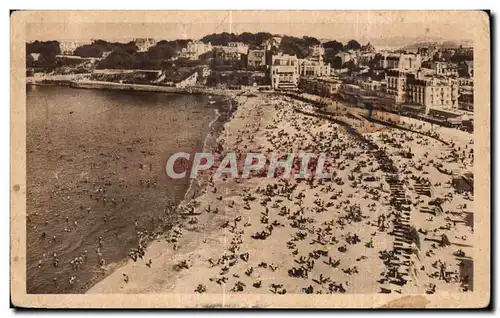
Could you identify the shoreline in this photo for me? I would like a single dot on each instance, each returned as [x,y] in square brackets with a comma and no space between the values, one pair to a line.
[100,85]
[218,114]
[192,191]
[209,144]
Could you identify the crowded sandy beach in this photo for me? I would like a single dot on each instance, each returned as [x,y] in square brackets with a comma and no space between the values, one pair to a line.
[392,218]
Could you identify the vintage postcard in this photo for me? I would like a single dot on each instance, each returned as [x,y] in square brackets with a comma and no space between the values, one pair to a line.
[280,159]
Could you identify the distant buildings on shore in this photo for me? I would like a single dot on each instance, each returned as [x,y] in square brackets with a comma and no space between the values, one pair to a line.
[416,80]
[256,58]
[69,47]
[143,44]
[195,49]
[284,71]
[401,61]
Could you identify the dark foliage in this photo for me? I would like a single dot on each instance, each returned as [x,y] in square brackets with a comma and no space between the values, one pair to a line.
[98,47]
[252,39]
[297,46]
[353,45]
[336,62]
[45,48]
[457,58]
[157,57]
[310,41]
[374,63]
[89,50]
[333,47]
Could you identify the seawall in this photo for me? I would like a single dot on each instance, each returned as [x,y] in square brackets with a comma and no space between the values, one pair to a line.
[133,87]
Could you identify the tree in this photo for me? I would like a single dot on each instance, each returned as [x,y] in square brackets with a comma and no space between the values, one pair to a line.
[220,38]
[261,37]
[253,39]
[337,63]
[294,46]
[98,47]
[458,58]
[43,47]
[350,65]
[247,38]
[374,63]
[162,50]
[333,47]
[353,45]
[185,62]
[89,50]
[310,41]
[178,45]
[129,47]
[119,59]
[29,60]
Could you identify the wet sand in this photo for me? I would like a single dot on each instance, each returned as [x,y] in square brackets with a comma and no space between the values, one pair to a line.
[363,231]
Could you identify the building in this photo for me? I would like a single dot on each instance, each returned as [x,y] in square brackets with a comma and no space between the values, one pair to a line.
[389,62]
[409,62]
[447,54]
[143,44]
[256,58]
[368,48]
[317,50]
[195,49]
[427,53]
[371,86]
[403,62]
[69,47]
[432,92]
[238,47]
[396,85]
[365,58]
[350,92]
[466,69]
[322,86]
[465,51]
[467,82]
[227,55]
[314,67]
[284,71]
[344,57]
[444,68]
[271,43]
[466,100]
[340,71]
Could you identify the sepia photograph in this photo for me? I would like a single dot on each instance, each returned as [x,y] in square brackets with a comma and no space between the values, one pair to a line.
[209,159]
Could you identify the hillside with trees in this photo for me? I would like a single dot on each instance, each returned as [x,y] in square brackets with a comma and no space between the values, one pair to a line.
[159,56]
[41,47]
[47,58]
[352,45]
[98,47]
[297,46]
[252,39]
[333,47]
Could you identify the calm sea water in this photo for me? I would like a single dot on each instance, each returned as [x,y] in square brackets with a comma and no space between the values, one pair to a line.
[95,172]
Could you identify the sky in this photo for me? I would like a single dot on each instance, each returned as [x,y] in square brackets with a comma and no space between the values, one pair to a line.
[363,26]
